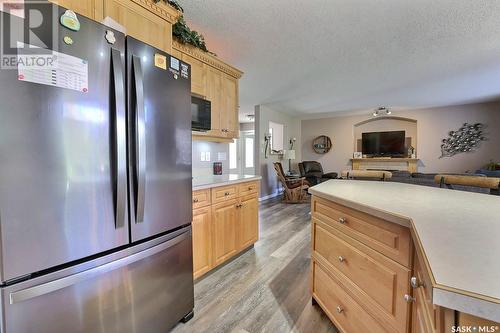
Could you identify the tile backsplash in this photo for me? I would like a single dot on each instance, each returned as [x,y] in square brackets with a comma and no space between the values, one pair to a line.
[205,154]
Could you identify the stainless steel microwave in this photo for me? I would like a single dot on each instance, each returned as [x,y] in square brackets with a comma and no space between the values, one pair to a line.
[201,114]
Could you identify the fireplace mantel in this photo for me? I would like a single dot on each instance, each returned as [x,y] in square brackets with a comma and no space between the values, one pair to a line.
[385,163]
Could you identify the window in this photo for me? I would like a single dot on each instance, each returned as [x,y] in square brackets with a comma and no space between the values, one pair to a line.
[249,152]
[233,155]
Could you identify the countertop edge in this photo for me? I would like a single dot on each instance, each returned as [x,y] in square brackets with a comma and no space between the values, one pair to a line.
[446,296]
[224,183]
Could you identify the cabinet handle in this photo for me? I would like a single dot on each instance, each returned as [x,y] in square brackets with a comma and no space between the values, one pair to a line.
[239,206]
[226,194]
[409,299]
[195,200]
[340,309]
[342,220]
[341,259]
[415,283]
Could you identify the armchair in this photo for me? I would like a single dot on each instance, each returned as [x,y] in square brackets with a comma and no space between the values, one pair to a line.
[313,172]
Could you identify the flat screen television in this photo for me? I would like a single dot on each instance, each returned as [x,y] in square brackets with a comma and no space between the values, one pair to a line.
[390,144]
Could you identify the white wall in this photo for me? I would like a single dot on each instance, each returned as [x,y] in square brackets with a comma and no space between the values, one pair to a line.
[433,125]
[264,166]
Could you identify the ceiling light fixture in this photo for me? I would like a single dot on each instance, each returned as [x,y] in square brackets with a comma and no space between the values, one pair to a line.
[382,110]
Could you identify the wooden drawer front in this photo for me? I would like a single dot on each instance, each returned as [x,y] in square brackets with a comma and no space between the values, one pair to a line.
[390,239]
[201,198]
[340,307]
[221,194]
[249,188]
[377,281]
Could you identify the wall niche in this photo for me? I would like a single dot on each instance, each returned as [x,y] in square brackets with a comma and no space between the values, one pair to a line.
[386,124]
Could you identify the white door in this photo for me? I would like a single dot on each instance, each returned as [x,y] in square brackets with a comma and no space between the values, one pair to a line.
[248,148]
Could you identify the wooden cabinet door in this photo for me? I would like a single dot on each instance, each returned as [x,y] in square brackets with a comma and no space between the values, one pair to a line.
[83,7]
[229,117]
[198,75]
[420,319]
[202,241]
[140,23]
[214,95]
[248,224]
[225,219]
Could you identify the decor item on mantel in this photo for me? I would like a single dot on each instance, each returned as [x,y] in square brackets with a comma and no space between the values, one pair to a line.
[322,144]
[466,139]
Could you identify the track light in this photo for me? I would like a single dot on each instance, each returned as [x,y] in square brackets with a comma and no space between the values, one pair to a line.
[382,110]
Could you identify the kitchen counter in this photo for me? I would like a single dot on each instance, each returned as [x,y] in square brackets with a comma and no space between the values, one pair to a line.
[204,182]
[459,233]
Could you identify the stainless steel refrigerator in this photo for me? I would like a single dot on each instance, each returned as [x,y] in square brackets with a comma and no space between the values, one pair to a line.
[95,186]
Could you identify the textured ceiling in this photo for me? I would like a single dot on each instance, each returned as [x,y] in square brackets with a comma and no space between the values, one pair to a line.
[321,56]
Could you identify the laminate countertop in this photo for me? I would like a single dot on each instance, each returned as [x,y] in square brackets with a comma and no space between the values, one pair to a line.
[204,182]
[459,233]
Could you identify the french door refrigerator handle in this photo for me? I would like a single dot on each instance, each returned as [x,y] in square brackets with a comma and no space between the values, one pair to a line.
[119,139]
[140,140]
[48,287]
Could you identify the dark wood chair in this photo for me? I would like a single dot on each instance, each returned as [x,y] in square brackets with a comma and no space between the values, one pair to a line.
[295,188]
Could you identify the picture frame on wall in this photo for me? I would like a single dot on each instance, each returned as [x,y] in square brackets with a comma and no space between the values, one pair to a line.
[358,154]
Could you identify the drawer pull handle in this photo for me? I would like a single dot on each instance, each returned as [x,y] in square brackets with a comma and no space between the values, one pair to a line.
[226,194]
[409,299]
[250,188]
[415,283]
[342,220]
[195,200]
[341,259]
[340,309]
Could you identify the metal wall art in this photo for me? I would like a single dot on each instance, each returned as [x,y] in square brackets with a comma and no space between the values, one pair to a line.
[466,139]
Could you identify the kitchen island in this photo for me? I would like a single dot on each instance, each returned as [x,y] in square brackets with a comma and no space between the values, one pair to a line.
[399,252]
[225,219]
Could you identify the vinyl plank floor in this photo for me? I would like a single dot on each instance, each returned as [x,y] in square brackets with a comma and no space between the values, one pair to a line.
[265,289]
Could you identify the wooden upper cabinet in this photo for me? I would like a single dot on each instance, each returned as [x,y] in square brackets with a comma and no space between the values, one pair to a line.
[144,20]
[87,8]
[214,95]
[229,116]
[198,75]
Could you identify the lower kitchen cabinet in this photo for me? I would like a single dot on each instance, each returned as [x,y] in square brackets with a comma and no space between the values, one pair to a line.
[225,222]
[248,230]
[202,240]
[224,232]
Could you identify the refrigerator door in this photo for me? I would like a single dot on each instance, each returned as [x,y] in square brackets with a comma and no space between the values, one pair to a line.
[159,133]
[63,157]
[145,291]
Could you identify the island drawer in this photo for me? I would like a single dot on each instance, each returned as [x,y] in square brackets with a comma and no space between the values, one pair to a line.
[201,198]
[224,193]
[339,306]
[377,281]
[249,188]
[390,239]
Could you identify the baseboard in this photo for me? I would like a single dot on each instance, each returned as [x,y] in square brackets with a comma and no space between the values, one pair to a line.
[270,196]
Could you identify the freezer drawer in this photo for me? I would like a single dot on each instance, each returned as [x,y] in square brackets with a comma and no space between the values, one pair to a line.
[148,291]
